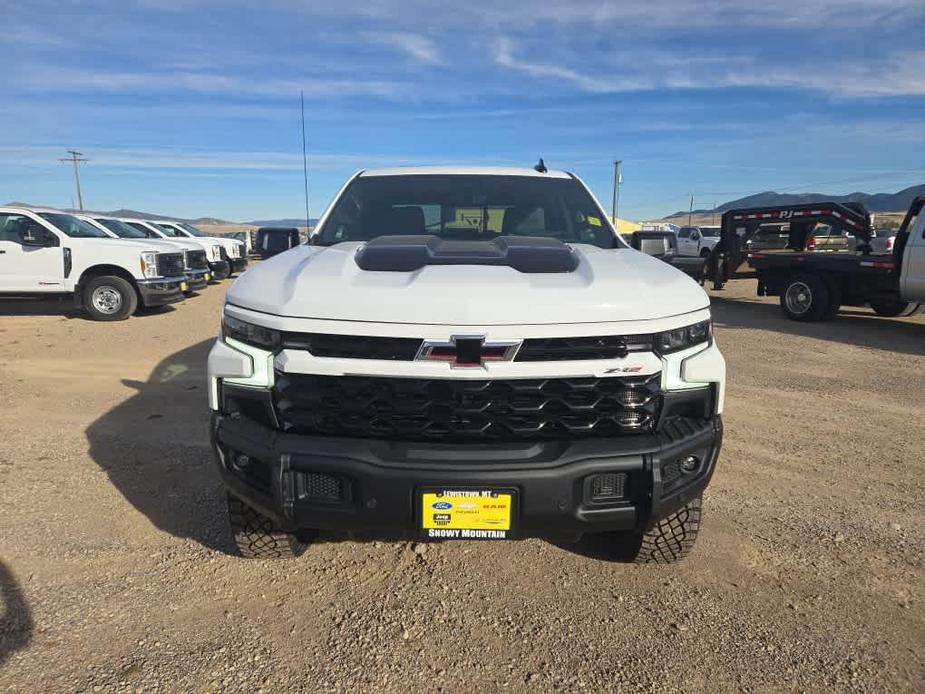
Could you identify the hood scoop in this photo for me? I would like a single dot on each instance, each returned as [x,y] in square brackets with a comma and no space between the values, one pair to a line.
[409,253]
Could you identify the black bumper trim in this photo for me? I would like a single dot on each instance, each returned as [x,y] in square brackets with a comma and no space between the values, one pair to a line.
[159,293]
[220,270]
[238,264]
[384,477]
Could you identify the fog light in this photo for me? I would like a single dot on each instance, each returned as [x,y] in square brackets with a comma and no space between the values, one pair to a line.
[690,463]
[241,461]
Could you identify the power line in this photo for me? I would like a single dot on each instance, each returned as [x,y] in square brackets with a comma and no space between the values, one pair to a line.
[76,158]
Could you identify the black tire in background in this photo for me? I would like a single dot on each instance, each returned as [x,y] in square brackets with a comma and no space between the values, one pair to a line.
[806,297]
[109,298]
[891,309]
[257,536]
[668,541]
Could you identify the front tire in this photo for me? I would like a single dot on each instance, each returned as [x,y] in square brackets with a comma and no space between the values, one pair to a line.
[668,541]
[257,537]
[109,298]
[806,298]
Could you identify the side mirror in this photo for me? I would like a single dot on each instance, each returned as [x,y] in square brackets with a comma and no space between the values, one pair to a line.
[695,236]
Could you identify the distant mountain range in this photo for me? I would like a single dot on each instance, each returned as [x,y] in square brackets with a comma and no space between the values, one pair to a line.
[135,214]
[874,202]
[281,222]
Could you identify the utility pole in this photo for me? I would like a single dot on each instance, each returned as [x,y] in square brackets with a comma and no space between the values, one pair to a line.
[76,158]
[690,210]
[616,192]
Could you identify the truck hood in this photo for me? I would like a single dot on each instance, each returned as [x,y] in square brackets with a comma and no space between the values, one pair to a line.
[326,283]
[123,245]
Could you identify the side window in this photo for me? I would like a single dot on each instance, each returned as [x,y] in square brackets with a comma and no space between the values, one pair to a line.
[17,227]
[684,233]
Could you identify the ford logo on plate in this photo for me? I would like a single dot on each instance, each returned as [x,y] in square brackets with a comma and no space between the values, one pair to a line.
[441,505]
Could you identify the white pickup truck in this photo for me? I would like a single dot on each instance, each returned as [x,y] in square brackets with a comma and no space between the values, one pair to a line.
[466,353]
[216,256]
[195,263]
[235,251]
[47,253]
[697,241]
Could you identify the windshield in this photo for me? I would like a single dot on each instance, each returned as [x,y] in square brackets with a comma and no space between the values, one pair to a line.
[170,231]
[73,227]
[466,207]
[121,229]
[191,229]
[712,232]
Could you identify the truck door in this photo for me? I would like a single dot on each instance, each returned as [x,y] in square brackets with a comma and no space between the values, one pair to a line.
[912,279]
[687,245]
[31,258]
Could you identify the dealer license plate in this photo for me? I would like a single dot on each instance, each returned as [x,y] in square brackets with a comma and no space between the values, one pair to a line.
[467,514]
[184,287]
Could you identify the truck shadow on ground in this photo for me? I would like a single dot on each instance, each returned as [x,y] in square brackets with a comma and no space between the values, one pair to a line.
[15,616]
[852,326]
[61,307]
[155,449]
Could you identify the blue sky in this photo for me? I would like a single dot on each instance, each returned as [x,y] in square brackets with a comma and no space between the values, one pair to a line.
[191,108]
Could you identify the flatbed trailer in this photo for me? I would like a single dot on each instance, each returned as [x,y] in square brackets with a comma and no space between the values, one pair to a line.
[813,285]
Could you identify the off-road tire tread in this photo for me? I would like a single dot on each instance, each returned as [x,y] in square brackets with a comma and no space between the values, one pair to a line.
[257,537]
[672,538]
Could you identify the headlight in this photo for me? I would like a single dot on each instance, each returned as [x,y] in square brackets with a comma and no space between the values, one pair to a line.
[250,334]
[214,253]
[149,264]
[682,338]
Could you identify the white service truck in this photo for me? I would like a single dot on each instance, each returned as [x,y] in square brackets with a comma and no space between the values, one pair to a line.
[195,264]
[235,251]
[216,256]
[48,252]
[466,353]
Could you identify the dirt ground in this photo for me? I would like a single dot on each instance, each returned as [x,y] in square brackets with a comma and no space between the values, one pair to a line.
[115,572]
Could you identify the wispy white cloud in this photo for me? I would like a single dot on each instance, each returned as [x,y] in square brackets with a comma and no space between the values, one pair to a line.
[899,74]
[419,48]
[138,82]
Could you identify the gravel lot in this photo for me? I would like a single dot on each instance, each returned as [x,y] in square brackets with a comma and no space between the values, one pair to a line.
[114,571]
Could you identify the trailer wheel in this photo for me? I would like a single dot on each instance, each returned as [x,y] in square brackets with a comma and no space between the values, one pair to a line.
[257,537]
[805,297]
[891,309]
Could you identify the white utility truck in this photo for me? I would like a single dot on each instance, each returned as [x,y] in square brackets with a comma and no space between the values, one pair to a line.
[47,253]
[466,353]
[195,265]
[219,267]
[235,251]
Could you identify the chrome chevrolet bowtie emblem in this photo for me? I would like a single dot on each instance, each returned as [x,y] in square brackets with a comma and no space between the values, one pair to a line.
[467,351]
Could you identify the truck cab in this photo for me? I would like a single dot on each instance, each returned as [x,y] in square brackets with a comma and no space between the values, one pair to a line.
[697,240]
[47,252]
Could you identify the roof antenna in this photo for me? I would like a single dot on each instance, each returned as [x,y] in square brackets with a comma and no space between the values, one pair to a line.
[541,167]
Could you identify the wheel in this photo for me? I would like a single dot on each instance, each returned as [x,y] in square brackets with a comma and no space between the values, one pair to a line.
[108,297]
[805,298]
[890,309]
[670,540]
[704,252]
[835,299]
[257,537]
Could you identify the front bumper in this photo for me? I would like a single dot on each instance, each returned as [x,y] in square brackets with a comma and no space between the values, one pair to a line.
[198,279]
[238,264]
[380,481]
[160,290]
[220,270]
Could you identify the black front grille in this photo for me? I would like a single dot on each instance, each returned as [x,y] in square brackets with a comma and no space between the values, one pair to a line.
[466,410]
[222,253]
[170,264]
[406,348]
[353,346]
[196,260]
[581,348]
